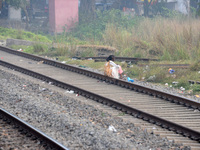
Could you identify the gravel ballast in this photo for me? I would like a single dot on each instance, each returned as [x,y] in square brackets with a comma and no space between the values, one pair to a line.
[74,124]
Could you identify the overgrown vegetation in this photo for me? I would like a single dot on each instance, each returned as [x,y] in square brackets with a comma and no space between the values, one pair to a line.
[174,38]
[6,33]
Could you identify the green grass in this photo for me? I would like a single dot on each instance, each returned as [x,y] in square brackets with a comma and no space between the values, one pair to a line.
[6,33]
[132,37]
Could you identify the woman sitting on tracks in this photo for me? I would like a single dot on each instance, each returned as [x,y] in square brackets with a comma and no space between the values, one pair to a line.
[111,69]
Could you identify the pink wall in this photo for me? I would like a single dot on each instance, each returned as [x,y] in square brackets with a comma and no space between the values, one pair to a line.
[62,13]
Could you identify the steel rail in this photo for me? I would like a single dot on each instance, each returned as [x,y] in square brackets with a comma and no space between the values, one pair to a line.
[187,132]
[127,59]
[31,131]
[133,86]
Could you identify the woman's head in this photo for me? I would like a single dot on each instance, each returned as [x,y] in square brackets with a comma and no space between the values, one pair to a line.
[111,57]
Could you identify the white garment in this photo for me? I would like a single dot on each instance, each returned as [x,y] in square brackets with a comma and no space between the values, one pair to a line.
[115,69]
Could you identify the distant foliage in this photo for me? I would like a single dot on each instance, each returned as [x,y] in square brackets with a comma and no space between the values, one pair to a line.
[95,28]
[21,34]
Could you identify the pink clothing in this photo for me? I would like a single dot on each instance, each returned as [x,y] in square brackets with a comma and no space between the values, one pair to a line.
[120,70]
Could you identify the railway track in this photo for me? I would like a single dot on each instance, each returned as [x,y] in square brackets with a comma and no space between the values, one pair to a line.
[174,117]
[136,60]
[17,134]
[126,59]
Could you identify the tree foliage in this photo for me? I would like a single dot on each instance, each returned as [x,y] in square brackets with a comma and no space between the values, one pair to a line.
[87,10]
[20,4]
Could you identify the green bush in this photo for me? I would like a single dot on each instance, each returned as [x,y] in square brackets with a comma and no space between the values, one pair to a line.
[24,35]
[39,48]
[95,28]
[196,88]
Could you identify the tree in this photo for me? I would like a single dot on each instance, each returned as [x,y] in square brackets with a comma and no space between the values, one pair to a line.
[147,4]
[20,4]
[87,10]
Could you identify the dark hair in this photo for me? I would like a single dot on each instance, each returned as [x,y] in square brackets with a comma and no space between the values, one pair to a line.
[111,57]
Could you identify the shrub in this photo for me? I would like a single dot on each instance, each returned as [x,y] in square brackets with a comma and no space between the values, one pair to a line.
[196,88]
[39,48]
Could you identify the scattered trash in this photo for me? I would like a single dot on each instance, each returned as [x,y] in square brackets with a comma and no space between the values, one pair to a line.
[77,95]
[170,86]
[128,64]
[166,84]
[50,83]
[82,66]
[174,82]
[63,62]
[199,72]
[43,89]
[152,78]
[129,79]
[70,92]
[40,62]
[171,70]
[20,49]
[74,58]
[154,128]
[111,128]
[89,58]
[182,89]
[197,96]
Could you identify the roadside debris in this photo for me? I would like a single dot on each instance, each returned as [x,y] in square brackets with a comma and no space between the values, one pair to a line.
[82,66]
[40,62]
[152,78]
[182,88]
[20,49]
[174,82]
[129,79]
[70,92]
[111,128]
[171,71]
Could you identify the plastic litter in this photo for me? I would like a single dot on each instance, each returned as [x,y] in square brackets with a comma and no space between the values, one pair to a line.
[82,66]
[129,79]
[20,49]
[111,128]
[171,70]
[43,89]
[174,82]
[182,89]
[70,92]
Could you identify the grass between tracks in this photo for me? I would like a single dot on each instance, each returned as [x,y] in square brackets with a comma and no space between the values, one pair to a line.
[172,40]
